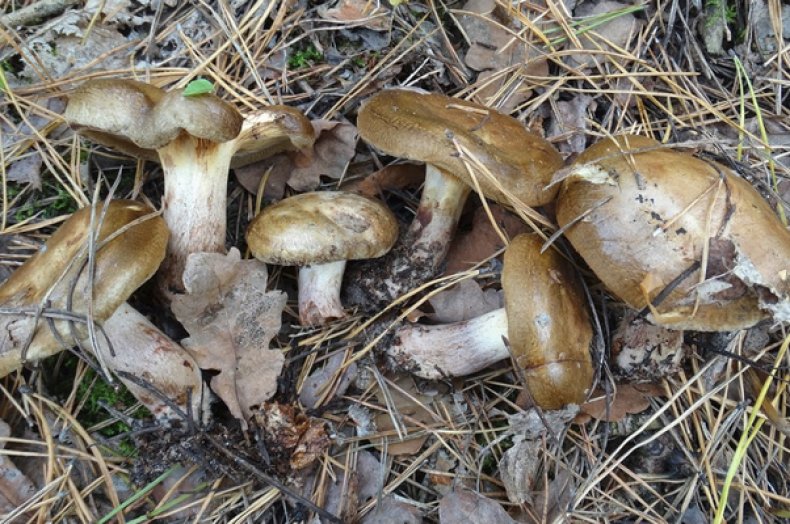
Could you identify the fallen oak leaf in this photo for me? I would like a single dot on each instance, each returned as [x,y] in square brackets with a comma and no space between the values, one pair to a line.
[231,319]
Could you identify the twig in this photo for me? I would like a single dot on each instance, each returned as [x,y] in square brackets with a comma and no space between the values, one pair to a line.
[36,13]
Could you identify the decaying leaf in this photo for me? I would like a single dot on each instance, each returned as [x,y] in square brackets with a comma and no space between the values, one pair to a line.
[494,47]
[291,435]
[465,300]
[472,247]
[363,12]
[627,399]
[463,505]
[231,319]
[333,150]
[643,352]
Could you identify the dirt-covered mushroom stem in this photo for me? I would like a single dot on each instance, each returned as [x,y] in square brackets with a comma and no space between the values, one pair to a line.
[544,321]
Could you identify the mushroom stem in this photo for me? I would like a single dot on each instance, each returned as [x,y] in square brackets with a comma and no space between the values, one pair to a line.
[319,293]
[443,198]
[196,179]
[427,239]
[451,350]
[145,352]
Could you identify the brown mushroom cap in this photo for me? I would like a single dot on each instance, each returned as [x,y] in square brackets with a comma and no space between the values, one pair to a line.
[114,113]
[322,227]
[121,266]
[665,208]
[422,126]
[548,327]
[272,130]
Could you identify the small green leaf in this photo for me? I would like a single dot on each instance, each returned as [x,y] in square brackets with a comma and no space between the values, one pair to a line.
[199,86]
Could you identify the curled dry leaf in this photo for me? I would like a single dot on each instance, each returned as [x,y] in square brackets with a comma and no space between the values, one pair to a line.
[463,505]
[291,435]
[332,151]
[231,319]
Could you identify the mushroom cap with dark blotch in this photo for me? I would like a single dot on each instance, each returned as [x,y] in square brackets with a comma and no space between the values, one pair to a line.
[322,227]
[122,265]
[549,330]
[421,126]
[272,130]
[206,117]
[651,231]
[114,113]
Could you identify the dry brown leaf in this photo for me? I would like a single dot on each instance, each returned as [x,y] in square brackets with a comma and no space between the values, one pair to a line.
[628,399]
[394,176]
[405,408]
[231,319]
[464,301]
[334,148]
[482,241]
[369,14]
[493,48]
[462,506]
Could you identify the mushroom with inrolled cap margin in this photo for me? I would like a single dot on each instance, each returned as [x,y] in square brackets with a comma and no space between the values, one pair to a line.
[544,319]
[197,139]
[319,232]
[653,216]
[426,127]
[130,245]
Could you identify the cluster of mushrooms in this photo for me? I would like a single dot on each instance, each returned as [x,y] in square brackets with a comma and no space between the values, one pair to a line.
[682,239]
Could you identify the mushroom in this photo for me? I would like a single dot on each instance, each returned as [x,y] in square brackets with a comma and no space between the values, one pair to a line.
[319,232]
[544,320]
[682,238]
[429,128]
[196,139]
[130,245]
